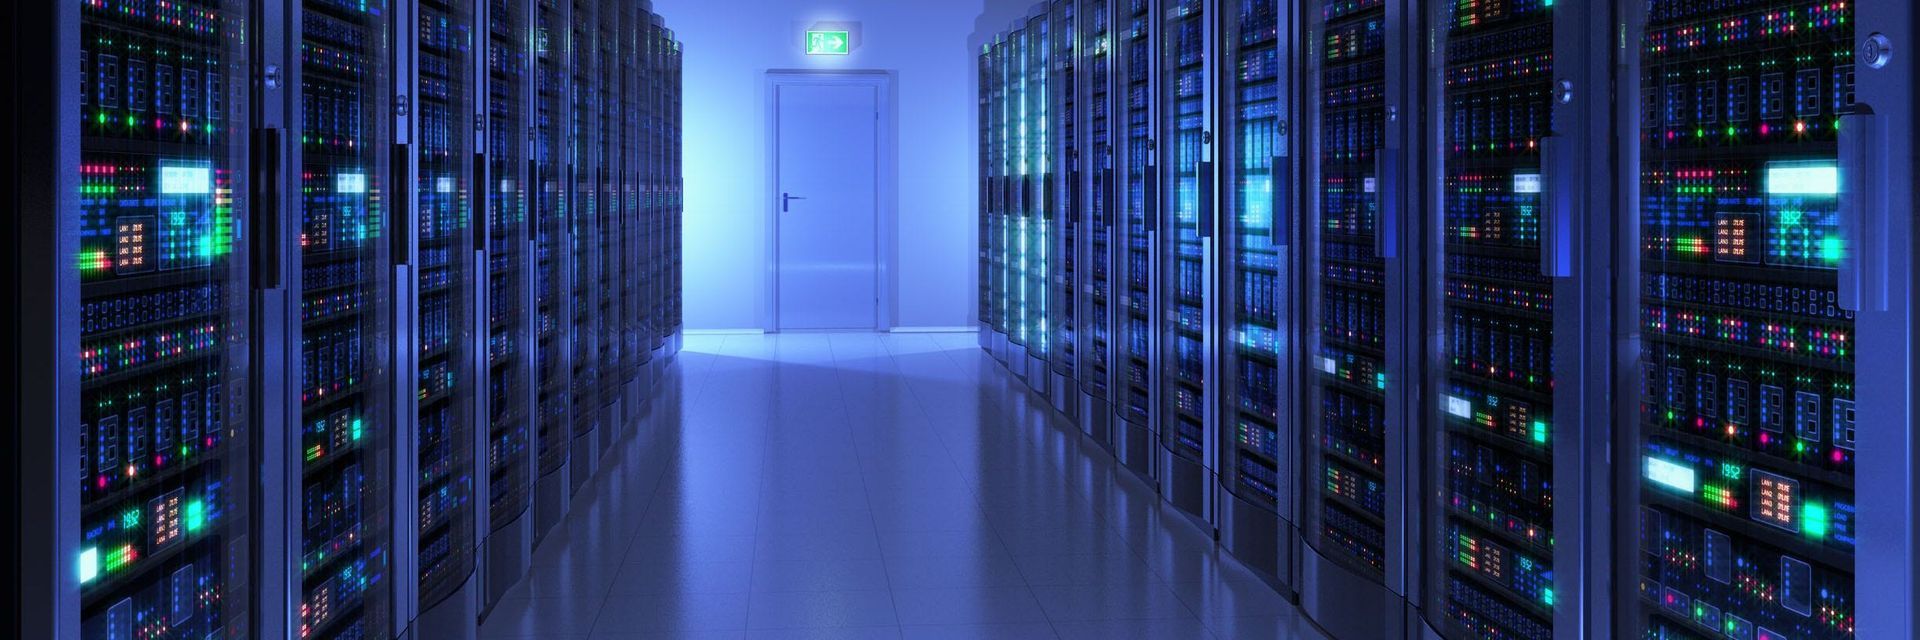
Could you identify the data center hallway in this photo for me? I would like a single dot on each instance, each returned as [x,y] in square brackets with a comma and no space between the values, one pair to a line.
[873,486]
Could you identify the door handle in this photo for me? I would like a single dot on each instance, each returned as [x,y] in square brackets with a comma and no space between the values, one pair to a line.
[1150,200]
[786,201]
[1279,226]
[268,173]
[1205,219]
[1386,219]
[1556,212]
[1863,212]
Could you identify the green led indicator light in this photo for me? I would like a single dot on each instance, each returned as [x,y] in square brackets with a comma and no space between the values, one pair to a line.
[1546,597]
[1832,249]
[1814,520]
[196,515]
[1540,431]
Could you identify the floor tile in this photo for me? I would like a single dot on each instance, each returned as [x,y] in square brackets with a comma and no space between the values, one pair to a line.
[673,612]
[987,605]
[1111,602]
[1011,631]
[821,609]
[812,574]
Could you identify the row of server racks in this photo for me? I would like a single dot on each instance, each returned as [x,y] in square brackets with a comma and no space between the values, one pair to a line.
[338,302]
[1481,319]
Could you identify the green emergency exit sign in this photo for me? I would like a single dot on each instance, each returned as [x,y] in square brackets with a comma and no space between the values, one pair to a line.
[827,43]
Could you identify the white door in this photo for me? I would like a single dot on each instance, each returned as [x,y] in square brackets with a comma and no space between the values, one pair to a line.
[827,267]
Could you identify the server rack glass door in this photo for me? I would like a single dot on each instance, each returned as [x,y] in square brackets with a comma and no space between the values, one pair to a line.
[1062,195]
[509,400]
[659,206]
[1350,570]
[676,190]
[1185,248]
[1254,286]
[553,249]
[1773,368]
[345,390]
[584,229]
[607,168]
[1134,432]
[1033,169]
[989,177]
[1093,178]
[995,94]
[1490,537]
[442,311]
[637,338]
[163,277]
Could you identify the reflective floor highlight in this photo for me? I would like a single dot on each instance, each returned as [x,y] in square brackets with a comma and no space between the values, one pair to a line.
[873,486]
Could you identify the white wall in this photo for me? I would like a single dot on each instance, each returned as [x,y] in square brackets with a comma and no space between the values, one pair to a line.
[730,45]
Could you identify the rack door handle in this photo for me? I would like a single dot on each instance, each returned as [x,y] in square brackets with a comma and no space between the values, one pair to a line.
[1204,175]
[403,189]
[786,201]
[1386,220]
[269,174]
[1280,226]
[481,226]
[1150,200]
[1863,212]
[1556,210]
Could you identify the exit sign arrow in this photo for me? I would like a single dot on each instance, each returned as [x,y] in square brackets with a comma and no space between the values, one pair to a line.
[827,43]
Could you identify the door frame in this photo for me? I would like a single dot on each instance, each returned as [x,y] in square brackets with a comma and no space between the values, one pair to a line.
[886,184]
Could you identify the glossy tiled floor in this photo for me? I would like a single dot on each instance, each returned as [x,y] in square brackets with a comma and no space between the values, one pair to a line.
[873,486]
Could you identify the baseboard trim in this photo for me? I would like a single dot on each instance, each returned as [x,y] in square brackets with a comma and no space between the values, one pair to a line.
[936,329]
[725,332]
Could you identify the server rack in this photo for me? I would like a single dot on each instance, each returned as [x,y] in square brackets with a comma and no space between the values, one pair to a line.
[653,190]
[1005,52]
[1767,287]
[507,542]
[584,229]
[1138,327]
[442,267]
[1254,283]
[552,164]
[1186,356]
[676,192]
[1062,194]
[662,232]
[1354,317]
[1030,337]
[149,259]
[636,270]
[985,275]
[338,318]
[1518,403]
[1093,177]
[997,205]
[608,166]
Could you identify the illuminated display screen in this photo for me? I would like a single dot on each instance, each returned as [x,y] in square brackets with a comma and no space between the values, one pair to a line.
[186,180]
[350,183]
[1673,475]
